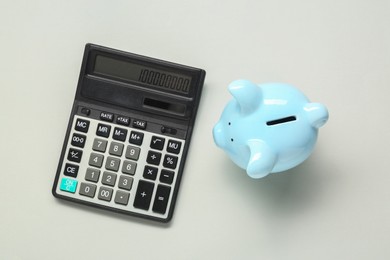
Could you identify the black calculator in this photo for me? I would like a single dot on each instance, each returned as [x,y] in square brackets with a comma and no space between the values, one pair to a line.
[129,133]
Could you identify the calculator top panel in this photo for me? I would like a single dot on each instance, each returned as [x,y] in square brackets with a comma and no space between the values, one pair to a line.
[131,81]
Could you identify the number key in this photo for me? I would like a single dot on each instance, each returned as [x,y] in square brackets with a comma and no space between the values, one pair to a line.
[96,160]
[109,178]
[99,145]
[132,152]
[116,149]
[87,189]
[112,163]
[105,193]
[125,182]
[92,175]
[129,167]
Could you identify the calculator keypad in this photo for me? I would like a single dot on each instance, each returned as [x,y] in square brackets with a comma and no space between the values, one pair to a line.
[114,163]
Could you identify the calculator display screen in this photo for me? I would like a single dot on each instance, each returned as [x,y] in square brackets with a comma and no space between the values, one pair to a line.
[135,72]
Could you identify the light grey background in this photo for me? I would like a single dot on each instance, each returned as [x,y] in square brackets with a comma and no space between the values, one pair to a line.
[334,206]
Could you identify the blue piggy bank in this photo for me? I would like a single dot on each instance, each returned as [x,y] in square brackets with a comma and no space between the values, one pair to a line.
[268,127]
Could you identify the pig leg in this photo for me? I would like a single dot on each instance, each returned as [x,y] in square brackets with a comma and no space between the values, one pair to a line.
[262,159]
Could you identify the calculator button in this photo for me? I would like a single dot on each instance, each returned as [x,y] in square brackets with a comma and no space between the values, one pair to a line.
[105,116]
[129,167]
[112,163]
[78,140]
[96,160]
[99,145]
[170,161]
[140,124]
[125,182]
[161,199]
[174,147]
[105,193]
[167,176]
[136,138]
[119,134]
[116,149]
[132,152]
[92,174]
[122,197]
[71,170]
[103,130]
[143,195]
[109,178]
[157,143]
[68,185]
[123,120]
[82,125]
[87,189]
[74,155]
[153,158]
[85,111]
[150,172]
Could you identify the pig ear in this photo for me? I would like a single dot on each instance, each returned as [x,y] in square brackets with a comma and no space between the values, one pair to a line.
[317,114]
[262,159]
[247,94]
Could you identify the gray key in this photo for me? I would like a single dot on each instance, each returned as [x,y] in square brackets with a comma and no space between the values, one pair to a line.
[132,152]
[122,197]
[125,182]
[105,193]
[96,160]
[112,163]
[87,189]
[92,175]
[129,167]
[109,178]
[116,149]
[99,145]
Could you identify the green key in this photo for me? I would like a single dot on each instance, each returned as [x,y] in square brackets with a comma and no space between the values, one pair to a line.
[68,185]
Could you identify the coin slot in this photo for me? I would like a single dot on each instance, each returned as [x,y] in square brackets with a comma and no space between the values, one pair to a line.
[281,120]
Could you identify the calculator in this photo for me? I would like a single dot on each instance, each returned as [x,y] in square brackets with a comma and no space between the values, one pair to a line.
[128,134]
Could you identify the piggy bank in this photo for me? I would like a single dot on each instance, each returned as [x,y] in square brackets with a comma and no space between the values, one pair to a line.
[268,128]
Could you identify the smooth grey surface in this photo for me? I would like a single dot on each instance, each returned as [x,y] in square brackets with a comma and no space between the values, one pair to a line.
[336,205]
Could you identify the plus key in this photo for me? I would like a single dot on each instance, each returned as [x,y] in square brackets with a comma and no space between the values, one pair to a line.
[143,195]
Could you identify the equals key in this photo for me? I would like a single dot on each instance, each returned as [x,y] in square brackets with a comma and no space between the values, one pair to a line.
[161,199]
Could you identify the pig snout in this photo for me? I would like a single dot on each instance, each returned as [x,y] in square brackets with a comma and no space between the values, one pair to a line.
[219,136]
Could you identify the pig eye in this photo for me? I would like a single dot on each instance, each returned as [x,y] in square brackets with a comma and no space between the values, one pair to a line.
[229,123]
[231,139]
[281,120]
